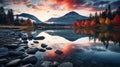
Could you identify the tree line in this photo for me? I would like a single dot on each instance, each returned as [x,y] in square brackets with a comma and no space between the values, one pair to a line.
[106,17]
[7,17]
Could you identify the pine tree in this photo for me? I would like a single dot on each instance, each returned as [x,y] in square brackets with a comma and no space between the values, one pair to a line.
[2,15]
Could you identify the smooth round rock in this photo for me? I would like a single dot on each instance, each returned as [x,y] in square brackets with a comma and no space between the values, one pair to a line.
[30,59]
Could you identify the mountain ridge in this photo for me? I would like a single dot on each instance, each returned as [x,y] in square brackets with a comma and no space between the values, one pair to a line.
[68,18]
[31,17]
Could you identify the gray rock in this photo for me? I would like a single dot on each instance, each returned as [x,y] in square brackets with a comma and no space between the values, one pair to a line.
[66,64]
[59,52]
[27,65]
[43,45]
[4,52]
[14,62]
[30,59]
[32,50]
[46,64]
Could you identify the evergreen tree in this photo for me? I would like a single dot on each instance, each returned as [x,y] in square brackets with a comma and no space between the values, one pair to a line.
[11,16]
[2,15]
[96,18]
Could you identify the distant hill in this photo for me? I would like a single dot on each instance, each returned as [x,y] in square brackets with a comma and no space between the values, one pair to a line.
[68,18]
[37,21]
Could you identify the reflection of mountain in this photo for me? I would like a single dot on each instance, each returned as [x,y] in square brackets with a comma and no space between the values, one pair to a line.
[37,21]
[68,18]
[66,33]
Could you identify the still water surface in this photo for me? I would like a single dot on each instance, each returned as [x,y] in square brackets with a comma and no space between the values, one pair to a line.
[79,46]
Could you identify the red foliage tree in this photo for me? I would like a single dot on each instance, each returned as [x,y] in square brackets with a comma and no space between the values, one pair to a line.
[116,20]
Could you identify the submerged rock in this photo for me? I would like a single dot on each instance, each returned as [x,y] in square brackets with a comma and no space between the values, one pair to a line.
[14,62]
[30,59]
[43,45]
[66,64]
[59,52]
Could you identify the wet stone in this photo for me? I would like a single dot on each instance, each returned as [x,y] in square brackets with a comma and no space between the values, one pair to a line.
[20,48]
[48,48]
[35,42]
[46,64]
[27,65]
[66,64]
[32,50]
[43,45]
[3,61]
[13,63]
[30,59]
[11,46]
[16,53]
[39,38]
[4,52]
[25,41]
[42,50]
[30,37]
[59,52]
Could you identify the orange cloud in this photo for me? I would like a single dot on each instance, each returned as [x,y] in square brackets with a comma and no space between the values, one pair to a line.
[69,4]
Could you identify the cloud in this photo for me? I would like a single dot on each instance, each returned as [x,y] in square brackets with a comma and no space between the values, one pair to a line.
[69,4]
[18,2]
[115,4]
[101,3]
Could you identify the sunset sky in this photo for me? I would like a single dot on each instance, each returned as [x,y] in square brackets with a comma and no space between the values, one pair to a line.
[45,9]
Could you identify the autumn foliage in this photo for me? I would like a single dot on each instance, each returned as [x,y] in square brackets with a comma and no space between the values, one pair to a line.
[116,20]
[106,17]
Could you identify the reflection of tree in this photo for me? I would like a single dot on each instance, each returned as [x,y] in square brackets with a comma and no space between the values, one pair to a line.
[104,36]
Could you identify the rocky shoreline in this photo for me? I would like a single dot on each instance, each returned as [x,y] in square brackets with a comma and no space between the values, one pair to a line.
[14,51]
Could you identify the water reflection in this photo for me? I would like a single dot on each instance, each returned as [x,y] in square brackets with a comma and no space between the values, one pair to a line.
[106,37]
[79,46]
